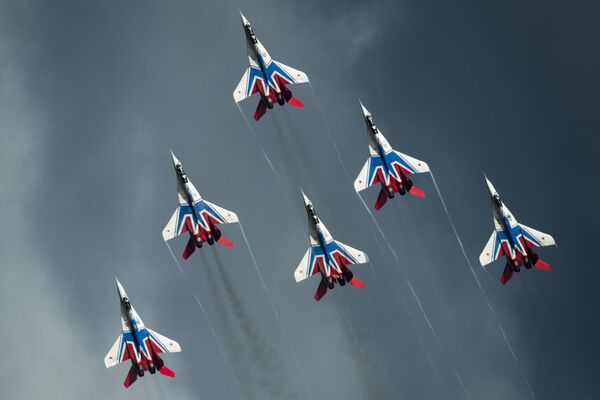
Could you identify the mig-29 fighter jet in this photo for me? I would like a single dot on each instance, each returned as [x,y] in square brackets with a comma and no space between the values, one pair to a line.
[138,344]
[387,167]
[513,240]
[327,257]
[266,76]
[196,216]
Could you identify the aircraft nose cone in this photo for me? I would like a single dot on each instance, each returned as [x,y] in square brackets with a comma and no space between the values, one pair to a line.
[120,289]
[174,159]
[306,199]
[244,20]
[364,110]
[490,187]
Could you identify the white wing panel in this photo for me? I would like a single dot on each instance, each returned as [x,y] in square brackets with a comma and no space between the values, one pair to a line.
[297,76]
[359,256]
[240,91]
[166,344]
[418,165]
[362,181]
[229,216]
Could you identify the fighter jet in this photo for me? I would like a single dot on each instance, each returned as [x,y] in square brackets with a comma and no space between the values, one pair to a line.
[196,216]
[513,240]
[327,257]
[266,76]
[138,344]
[387,167]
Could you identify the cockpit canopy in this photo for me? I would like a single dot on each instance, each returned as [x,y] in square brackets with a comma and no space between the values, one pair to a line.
[312,213]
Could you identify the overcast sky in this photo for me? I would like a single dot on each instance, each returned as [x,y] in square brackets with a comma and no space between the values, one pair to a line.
[94,94]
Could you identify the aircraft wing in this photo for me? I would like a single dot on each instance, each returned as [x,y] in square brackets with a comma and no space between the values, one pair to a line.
[290,74]
[117,354]
[249,84]
[162,344]
[353,255]
[181,221]
[536,238]
[368,174]
[309,265]
[222,215]
[492,250]
[411,165]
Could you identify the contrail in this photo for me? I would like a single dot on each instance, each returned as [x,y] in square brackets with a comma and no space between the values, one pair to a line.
[464,253]
[210,326]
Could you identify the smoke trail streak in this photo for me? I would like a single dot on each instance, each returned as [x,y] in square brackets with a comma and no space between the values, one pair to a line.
[414,325]
[210,326]
[235,346]
[273,308]
[296,361]
[263,355]
[353,334]
[266,157]
[387,242]
[491,308]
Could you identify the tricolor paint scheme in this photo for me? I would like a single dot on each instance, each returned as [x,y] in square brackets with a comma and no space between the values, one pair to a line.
[139,344]
[513,240]
[196,216]
[328,257]
[387,167]
[266,76]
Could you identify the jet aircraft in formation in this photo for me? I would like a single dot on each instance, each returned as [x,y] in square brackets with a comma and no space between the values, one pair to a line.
[386,166]
[327,257]
[266,76]
[139,344]
[513,240]
[196,216]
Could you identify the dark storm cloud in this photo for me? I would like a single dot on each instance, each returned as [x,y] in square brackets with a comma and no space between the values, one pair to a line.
[93,96]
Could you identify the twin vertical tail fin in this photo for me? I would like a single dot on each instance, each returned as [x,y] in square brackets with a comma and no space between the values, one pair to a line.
[321,290]
[261,109]
[507,274]
[289,98]
[352,280]
[381,199]
[131,377]
[189,248]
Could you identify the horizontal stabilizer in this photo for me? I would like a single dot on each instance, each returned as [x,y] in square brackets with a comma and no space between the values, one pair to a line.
[223,241]
[167,372]
[295,102]
[131,377]
[189,248]
[321,290]
[507,274]
[415,191]
[543,265]
[357,282]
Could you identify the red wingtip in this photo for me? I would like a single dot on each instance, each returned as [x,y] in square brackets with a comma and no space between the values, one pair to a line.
[223,241]
[543,266]
[415,191]
[295,102]
[357,283]
[167,372]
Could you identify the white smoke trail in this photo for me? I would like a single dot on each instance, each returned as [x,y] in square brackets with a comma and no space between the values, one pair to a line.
[491,308]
